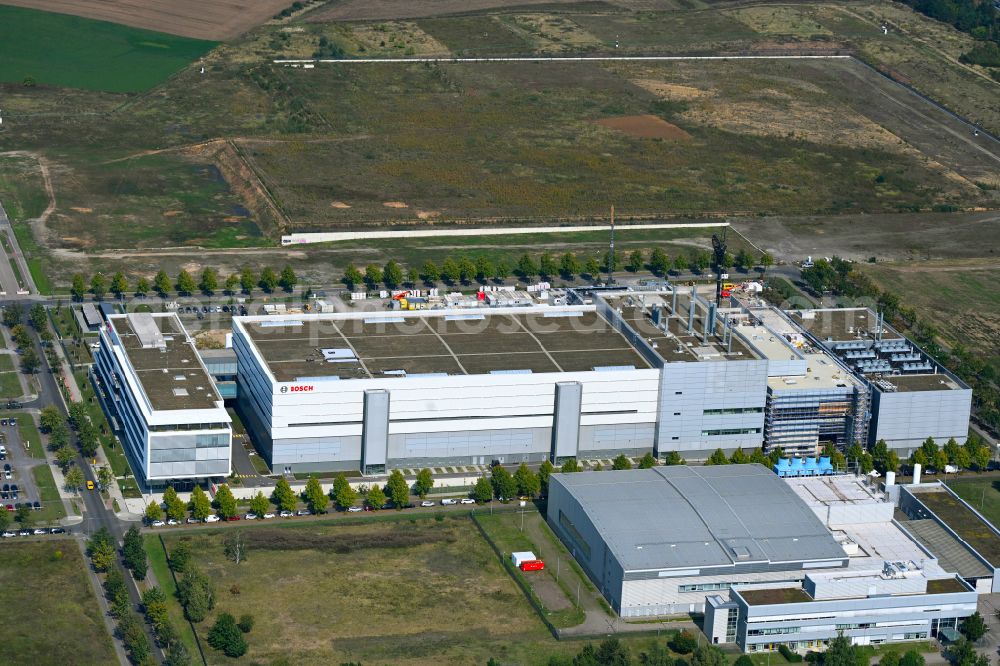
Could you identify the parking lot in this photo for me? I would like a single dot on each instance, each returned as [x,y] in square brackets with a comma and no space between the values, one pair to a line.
[17,473]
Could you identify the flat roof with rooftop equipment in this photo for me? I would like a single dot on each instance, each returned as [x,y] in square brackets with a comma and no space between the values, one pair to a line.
[438,342]
[165,361]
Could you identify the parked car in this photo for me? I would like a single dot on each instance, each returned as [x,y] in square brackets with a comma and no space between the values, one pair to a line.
[250,516]
[36,505]
[212,518]
[7,474]
[466,500]
[6,467]
[171,521]
[57,530]
[189,521]
[8,534]
[354,509]
[25,532]
[427,503]
[232,518]
[41,530]
[286,514]
[157,523]
[448,502]
[267,515]
[303,512]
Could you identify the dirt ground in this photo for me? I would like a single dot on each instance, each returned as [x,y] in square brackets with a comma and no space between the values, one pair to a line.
[361,10]
[218,20]
[895,237]
[645,127]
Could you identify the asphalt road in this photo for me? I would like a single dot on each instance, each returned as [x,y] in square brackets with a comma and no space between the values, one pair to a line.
[95,514]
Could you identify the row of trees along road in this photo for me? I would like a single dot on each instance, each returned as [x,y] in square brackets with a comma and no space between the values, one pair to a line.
[184,284]
[464,270]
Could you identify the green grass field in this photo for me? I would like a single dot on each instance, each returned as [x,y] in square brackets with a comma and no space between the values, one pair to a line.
[62,50]
[47,609]
[10,387]
[52,506]
[158,563]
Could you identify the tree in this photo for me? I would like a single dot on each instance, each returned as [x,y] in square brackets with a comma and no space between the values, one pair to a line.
[195,592]
[683,642]
[98,285]
[373,275]
[201,506]
[569,265]
[718,457]
[22,514]
[392,275]
[232,282]
[283,496]
[647,461]
[527,482]
[961,653]
[502,270]
[526,267]
[235,546]
[180,557]
[884,458]
[398,489]
[412,277]
[912,658]
[315,497]
[766,261]
[74,478]
[343,494]
[4,518]
[973,627]
[429,272]
[209,280]
[616,264]
[49,417]
[78,287]
[544,472]
[708,655]
[353,276]
[288,279]
[659,262]
[450,271]
[635,261]
[504,486]
[375,498]
[466,270]
[142,286]
[246,623]
[175,505]
[547,265]
[226,636]
[424,483]
[65,457]
[248,280]
[185,283]
[840,652]
[745,660]
[268,280]
[162,284]
[611,652]
[134,553]
[37,317]
[29,361]
[105,476]
[225,502]
[592,267]
[177,655]
[483,490]
[570,466]
[153,512]
[259,505]
[484,268]
[621,462]
[673,458]
[739,457]
[888,659]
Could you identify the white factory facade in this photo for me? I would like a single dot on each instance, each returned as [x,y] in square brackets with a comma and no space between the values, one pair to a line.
[585,375]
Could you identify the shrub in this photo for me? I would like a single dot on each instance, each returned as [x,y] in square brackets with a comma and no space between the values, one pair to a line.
[246,623]
[226,636]
[683,643]
[789,655]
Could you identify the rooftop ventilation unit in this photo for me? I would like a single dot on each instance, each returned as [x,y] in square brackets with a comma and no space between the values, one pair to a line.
[146,330]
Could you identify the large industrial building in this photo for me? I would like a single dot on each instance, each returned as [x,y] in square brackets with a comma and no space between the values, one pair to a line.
[161,400]
[769,560]
[574,374]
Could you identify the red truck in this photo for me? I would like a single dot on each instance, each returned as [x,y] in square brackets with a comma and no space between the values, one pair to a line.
[532,565]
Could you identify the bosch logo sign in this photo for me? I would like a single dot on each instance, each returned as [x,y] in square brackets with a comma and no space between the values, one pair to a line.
[284,389]
[296,389]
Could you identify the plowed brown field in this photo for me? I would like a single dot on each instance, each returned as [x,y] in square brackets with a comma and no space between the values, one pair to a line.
[215,20]
[645,127]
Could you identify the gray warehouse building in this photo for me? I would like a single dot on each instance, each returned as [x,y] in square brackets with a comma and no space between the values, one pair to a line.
[656,540]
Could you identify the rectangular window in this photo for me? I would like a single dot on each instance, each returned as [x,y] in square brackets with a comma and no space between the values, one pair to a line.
[730,431]
[735,410]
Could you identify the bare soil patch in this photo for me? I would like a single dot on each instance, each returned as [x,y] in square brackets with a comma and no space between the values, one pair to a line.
[645,127]
[222,19]
[671,90]
[360,10]
[395,204]
[339,204]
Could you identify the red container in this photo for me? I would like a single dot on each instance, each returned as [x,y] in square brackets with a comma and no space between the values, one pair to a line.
[532,565]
